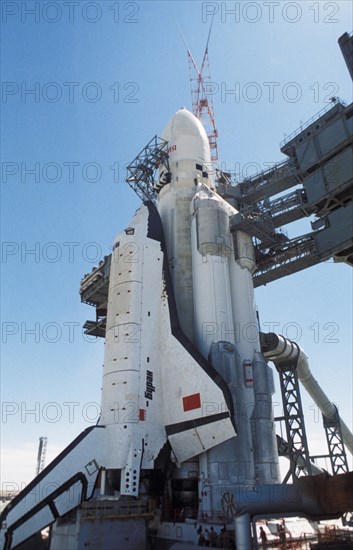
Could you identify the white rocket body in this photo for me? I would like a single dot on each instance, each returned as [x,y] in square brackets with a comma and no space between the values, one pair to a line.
[190,164]
[212,278]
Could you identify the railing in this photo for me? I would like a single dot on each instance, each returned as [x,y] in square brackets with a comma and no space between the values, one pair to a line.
[117,509]
[275,168]
[286,203]
[334,102]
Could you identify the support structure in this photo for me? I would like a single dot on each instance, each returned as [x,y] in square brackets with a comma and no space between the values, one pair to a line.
[293,418]
[337,452]
[314,180]
[140,172]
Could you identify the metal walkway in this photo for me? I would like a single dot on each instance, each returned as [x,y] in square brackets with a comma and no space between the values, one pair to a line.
[319,166]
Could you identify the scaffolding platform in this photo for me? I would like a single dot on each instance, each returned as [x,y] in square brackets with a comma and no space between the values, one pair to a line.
[141,171]
[319,166]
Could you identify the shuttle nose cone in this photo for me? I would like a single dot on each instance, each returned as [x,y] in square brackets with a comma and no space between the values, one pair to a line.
[187,138]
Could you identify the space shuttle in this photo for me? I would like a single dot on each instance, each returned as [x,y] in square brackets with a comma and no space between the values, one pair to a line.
[186,393]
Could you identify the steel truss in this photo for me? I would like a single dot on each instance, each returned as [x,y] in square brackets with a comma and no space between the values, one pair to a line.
[141,171]
[293,419]
[337,452]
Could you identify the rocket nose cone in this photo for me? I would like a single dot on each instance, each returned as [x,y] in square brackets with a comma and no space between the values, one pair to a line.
[183,123]
[187,137]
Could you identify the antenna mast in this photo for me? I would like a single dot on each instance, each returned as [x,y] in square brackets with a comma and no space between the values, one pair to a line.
[201,95]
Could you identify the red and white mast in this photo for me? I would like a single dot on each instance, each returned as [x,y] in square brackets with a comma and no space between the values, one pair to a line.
[201,95]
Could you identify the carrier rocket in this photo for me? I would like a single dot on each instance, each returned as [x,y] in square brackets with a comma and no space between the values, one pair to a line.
[211,271]
[186,392]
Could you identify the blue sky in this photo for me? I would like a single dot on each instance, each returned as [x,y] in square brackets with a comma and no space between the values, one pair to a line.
[107,77]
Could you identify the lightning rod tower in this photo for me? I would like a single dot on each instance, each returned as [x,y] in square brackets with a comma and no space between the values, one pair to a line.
[42,451]
[202,89]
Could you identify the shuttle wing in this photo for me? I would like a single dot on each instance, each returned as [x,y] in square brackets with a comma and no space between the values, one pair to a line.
[189,393]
